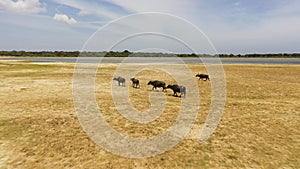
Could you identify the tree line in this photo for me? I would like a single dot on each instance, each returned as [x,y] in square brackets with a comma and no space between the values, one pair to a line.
[126,53]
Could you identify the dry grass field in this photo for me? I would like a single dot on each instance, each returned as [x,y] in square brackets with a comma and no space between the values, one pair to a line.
[259,128]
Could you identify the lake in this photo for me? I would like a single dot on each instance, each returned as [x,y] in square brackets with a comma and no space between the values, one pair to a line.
[290,61]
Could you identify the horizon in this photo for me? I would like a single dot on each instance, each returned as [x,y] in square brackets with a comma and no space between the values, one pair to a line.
[296,54]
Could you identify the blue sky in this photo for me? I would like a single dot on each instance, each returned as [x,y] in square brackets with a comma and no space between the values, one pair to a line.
[233,26]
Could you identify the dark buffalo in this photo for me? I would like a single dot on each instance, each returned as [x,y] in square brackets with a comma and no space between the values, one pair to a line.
[135,82]
[121,80]
[157,83]
[203,76]
[178,89]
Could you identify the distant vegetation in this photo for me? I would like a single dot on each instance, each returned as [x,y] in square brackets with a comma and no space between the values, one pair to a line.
[126,53]
[39,54]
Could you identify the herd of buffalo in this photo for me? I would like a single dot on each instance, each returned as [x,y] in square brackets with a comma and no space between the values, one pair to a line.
[160,84]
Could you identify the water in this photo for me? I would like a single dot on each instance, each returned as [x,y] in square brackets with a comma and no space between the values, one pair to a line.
[290,61]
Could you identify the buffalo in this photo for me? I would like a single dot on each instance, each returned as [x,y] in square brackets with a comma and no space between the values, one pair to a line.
[157,83]
[178,89]
[120,80]
[203,76]
[135,82]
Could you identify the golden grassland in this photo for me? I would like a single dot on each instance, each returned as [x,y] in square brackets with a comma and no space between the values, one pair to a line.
[259,128]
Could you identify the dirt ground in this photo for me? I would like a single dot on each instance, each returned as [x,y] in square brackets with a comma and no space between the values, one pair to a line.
[39,127]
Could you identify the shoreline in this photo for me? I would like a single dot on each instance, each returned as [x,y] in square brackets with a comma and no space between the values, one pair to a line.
[148,60]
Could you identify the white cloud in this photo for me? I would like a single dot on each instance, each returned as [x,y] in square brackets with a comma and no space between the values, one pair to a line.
[90,8]
[276,31]
[167,6]
[22,6]
[40,32]
[64,18]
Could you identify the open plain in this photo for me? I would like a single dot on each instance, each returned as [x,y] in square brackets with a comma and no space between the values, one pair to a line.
[39,127]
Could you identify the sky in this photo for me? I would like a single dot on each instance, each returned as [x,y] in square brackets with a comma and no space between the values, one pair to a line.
[229,26]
